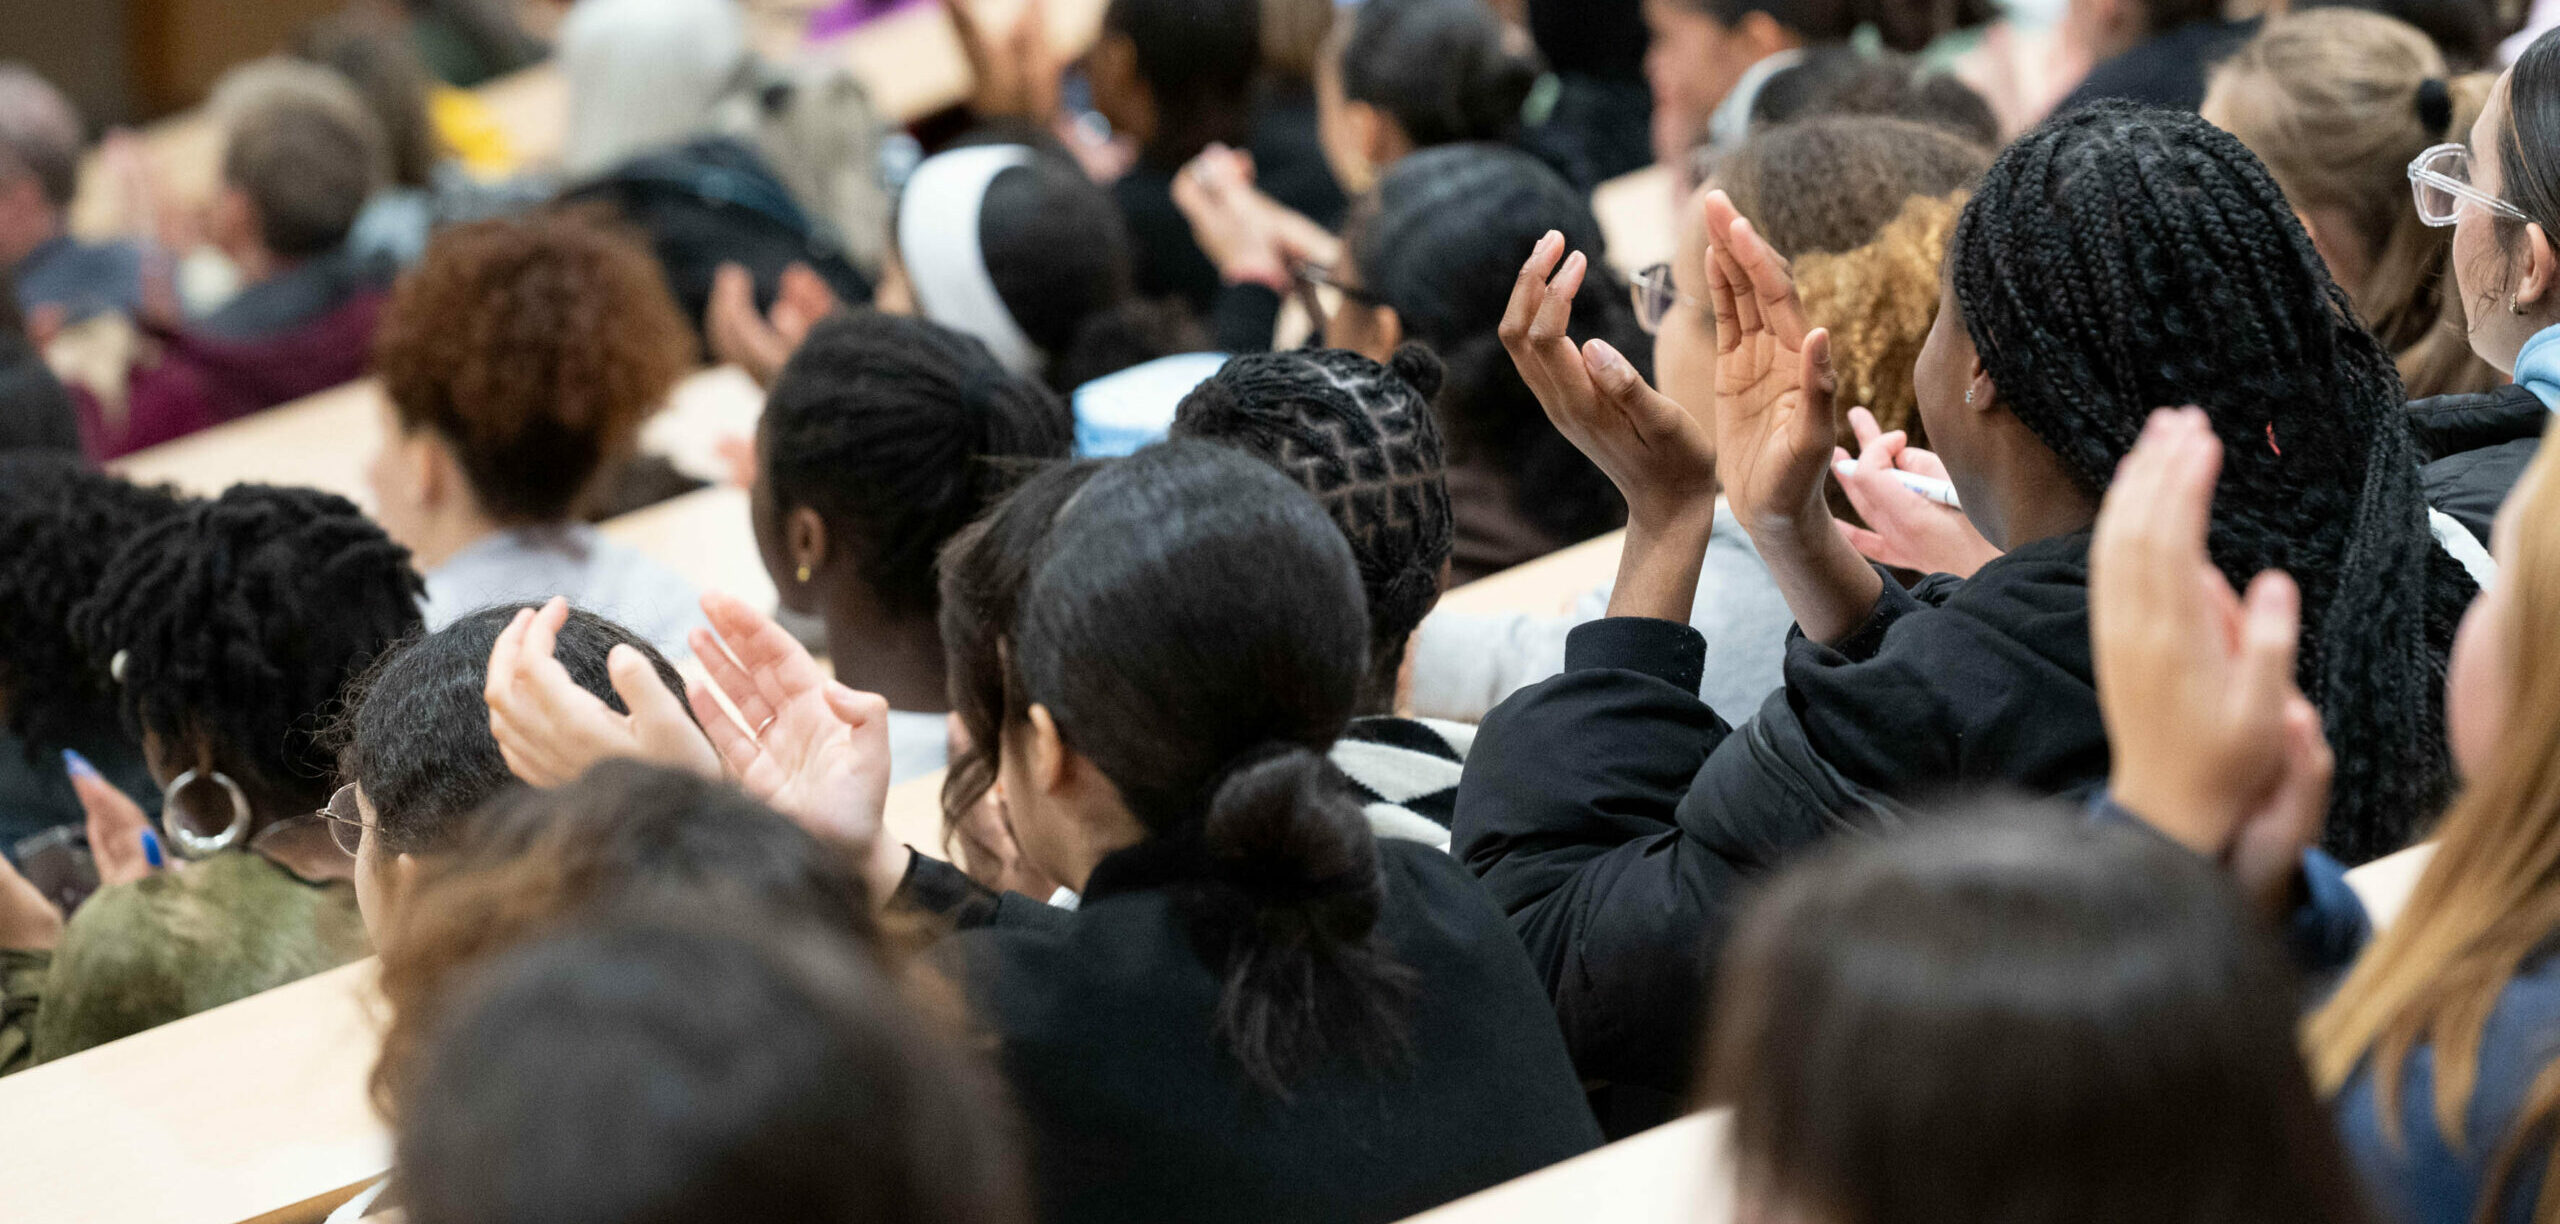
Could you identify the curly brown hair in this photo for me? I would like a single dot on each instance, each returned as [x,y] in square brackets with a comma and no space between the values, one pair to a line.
[535,347]
[1879,302]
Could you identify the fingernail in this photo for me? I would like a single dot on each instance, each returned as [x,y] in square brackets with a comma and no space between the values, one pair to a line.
[1606,356]
[151,848]
[78,765]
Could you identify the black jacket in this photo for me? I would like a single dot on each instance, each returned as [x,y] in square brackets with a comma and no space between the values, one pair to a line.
[1618,819]
[2475,448]
[1104,1019]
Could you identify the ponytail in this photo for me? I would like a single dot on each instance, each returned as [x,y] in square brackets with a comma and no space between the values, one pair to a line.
[1291,907]
[1193,622]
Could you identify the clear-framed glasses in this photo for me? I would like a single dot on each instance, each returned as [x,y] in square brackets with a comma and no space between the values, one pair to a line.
[2440,179]
[1655,294]
[345,819]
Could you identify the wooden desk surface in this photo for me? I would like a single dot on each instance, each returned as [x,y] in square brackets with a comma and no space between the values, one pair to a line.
[251,1112]
[323,441]
[254,1113]
[1546,586]
[1672,1174]
[911,62]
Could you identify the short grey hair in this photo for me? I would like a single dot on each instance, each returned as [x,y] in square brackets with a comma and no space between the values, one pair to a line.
[40,133]
[303,146]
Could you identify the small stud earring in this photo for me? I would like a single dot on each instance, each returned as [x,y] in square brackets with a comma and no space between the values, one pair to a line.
[1968,395]
[804,575]
[2512,308]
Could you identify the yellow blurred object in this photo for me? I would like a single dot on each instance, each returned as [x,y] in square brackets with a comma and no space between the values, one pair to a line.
[472,133]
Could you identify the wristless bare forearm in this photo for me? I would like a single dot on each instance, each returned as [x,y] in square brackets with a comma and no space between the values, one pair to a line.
[1827,585]
[1658,571]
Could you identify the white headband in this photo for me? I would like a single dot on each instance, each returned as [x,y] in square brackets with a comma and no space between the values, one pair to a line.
[938,239]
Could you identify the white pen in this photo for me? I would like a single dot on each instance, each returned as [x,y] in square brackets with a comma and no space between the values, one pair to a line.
[1930,487]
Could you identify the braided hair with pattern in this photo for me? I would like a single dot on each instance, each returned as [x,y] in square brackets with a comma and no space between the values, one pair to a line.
[240,620]
[63,522]
[2121,259]
[1360,436]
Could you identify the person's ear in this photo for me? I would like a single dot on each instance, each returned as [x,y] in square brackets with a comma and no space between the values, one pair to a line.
[1380,139]
[1390,334]
[1980,393]
[435,472]
[2541,269]
[804,542]
[231,221]
[1047,759]
[403,878]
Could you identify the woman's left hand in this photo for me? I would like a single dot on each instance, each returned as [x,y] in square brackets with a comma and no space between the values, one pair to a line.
[551,731]
[1904,529]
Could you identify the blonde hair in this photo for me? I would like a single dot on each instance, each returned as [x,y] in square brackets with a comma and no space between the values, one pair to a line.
[2489,901]
[1879,301]
[2329,100]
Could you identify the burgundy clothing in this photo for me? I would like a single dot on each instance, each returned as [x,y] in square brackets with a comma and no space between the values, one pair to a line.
[198,381]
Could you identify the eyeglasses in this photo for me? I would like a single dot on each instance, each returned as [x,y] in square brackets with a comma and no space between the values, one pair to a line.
[1313,276]
[2440,178]
[1655,294]
[346,820]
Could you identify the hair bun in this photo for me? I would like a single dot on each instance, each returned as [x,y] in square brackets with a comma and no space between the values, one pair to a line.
[1415,363]
[1283,829]
[2435,106]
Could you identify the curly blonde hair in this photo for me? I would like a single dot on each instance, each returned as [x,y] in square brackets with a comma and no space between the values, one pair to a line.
[1879,301]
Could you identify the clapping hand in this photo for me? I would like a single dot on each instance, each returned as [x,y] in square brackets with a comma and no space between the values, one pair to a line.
[1660,456]
[2214,744]
[551,731]
[814,749]
[1016,70]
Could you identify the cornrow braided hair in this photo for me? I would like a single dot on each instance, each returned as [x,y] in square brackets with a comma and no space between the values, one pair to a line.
[2121,259]
[63,523]
[241,619]
[1360,437]
[898,432]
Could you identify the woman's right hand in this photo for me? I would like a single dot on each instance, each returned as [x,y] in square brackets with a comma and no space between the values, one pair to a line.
[1774,418]
[1230,220]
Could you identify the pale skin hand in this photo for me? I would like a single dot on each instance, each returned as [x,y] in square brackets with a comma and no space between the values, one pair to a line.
[2213,743]
[1909,531]
[1774,432]
[551,731]
[819,751]
[1655,451]
[761,344]
[1016,70]
[29,921]
[116,829]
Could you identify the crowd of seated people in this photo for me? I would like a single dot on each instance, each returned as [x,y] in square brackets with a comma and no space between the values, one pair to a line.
[2062,528]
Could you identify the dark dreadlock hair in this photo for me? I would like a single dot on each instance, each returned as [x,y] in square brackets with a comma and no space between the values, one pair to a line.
[240,620]
[2121,259]
[897,432]
[1441,241]
[1359,436]
[63,523]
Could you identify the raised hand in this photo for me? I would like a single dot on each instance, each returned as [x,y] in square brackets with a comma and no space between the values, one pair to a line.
[29,920]
[1775,431]
[1016,70]
[1661,457]
[551,731]
[120,836]
[2214,744]
[1774,421]
[761,344]
[1903,528]
[813,749]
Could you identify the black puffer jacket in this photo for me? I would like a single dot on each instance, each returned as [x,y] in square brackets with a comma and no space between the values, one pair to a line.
[1618,820]
[2475,449]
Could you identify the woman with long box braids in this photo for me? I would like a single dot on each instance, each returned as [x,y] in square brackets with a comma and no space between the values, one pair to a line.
[2114,261]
